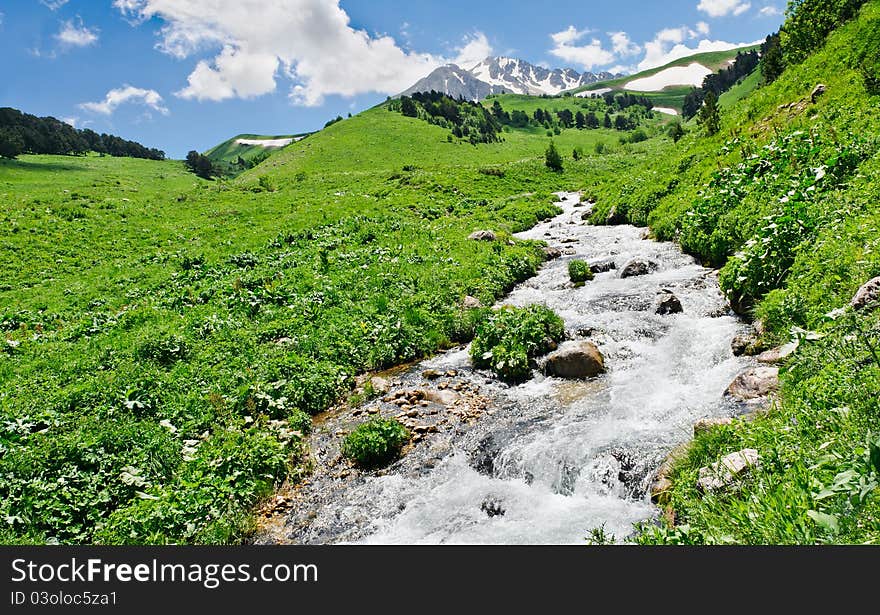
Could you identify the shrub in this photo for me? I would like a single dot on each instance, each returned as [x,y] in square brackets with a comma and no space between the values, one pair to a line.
[579,272]
[510,337]
[552,158]
[375,443]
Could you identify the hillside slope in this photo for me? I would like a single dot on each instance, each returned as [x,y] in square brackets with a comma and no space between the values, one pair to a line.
[785,199]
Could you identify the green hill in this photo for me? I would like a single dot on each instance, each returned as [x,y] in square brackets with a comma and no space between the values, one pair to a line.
[672,96]
[230,151]
[167,339]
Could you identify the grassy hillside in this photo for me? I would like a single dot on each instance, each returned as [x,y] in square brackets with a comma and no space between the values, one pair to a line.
[673,96]
[167,339]
[713,60]
[785,200]
[230,151]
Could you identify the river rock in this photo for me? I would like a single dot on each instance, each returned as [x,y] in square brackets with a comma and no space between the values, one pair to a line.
[471,303]
[668,303]
[493,507]
[575,360]
[381,386]
[754,383]
[745,345]
[639,267]
[868,296]
[778,355]
[551,254]
[661,488]
[724,473]
[443,398]
[614,218]
[705,425]
[483,236]
[603,266]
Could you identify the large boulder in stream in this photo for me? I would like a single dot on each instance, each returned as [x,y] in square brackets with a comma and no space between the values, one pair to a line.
[575,361]
[668,303]
[639,267]
[603,266]
[754,383]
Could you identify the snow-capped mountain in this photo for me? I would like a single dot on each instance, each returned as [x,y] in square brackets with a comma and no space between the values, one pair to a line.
[456,82]
[503,75]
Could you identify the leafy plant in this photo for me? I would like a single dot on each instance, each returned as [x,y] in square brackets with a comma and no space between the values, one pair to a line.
[579,272]
[375,443]
[510,337]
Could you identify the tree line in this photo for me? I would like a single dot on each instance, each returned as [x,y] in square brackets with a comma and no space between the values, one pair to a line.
[808,24]
[22,133]
[466,119]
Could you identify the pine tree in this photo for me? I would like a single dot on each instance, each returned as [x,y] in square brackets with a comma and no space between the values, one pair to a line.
[710,115]
[553,159]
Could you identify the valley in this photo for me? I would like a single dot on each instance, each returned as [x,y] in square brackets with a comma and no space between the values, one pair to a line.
[193,361]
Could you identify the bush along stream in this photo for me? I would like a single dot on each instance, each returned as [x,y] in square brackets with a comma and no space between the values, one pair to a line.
[563,451]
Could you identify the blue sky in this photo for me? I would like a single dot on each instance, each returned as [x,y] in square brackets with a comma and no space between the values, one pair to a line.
[188,74]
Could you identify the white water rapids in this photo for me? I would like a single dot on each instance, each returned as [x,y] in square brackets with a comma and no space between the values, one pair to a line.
[554,459]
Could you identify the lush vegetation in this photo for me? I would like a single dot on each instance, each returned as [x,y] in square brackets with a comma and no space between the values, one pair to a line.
[375,443]
[167,338]
[22,133]
[510,338]
[783,197]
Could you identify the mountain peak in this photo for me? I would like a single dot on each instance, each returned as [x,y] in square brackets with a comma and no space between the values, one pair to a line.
[501,75]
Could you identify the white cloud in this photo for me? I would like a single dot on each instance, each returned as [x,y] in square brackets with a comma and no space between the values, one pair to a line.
[126,94]
[76,34]
[474,49]
[588,56]
[770,11]
[310,42]
[623,46]
[53,5]
[703,28]
[722,8]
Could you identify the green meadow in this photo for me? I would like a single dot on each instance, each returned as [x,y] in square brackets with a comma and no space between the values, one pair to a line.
[167,339]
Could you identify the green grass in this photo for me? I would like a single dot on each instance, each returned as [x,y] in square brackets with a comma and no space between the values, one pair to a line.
[741,90]
[165,335]
[785,200]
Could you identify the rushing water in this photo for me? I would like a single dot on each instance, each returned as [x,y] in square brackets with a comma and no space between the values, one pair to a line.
[550,459]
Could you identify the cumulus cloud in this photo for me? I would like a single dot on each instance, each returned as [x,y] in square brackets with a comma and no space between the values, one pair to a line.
[75,34]
[310,42]
[623,46]
[588,55]
[722,8]
[123,95]
[474,49]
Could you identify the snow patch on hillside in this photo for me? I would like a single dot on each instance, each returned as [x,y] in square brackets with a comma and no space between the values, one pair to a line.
[267,142]
[692,74]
